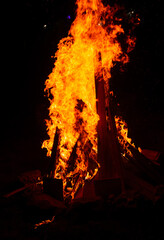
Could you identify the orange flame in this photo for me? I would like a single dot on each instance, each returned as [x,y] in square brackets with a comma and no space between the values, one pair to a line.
[71,90]
[122,132]
[123,139]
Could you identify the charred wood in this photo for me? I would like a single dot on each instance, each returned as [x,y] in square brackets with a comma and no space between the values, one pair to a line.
[54,155]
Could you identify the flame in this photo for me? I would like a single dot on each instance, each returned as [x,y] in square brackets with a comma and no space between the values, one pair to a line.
[123,139]
[71,90]
[44,222]
[122,134]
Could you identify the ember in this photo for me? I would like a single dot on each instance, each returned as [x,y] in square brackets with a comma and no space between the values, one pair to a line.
[72,92]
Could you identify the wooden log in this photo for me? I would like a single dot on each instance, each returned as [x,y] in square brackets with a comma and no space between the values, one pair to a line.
[27,186]
[29,179]
[54,155]
[109,155]
[85,145]
[72,158]
[146,167]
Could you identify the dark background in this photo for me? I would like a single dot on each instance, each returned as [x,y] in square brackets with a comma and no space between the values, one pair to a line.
[28,47]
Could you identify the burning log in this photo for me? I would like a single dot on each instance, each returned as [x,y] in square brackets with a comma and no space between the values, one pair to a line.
[76,161]
[108,151]
[54,154]
[109,176]
[51,185]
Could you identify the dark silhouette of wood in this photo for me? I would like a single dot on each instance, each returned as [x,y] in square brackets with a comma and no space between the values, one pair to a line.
[145,167]
[54,154]
[109,155]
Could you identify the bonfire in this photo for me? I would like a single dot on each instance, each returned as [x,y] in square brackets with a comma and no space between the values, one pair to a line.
[79,92]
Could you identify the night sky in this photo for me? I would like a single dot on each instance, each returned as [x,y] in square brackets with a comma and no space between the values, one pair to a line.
[33,33]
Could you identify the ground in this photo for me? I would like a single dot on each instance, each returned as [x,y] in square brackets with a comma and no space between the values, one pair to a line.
[118,219]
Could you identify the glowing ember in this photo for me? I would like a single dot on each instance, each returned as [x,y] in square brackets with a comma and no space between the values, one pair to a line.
[44,222]
[71,90]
